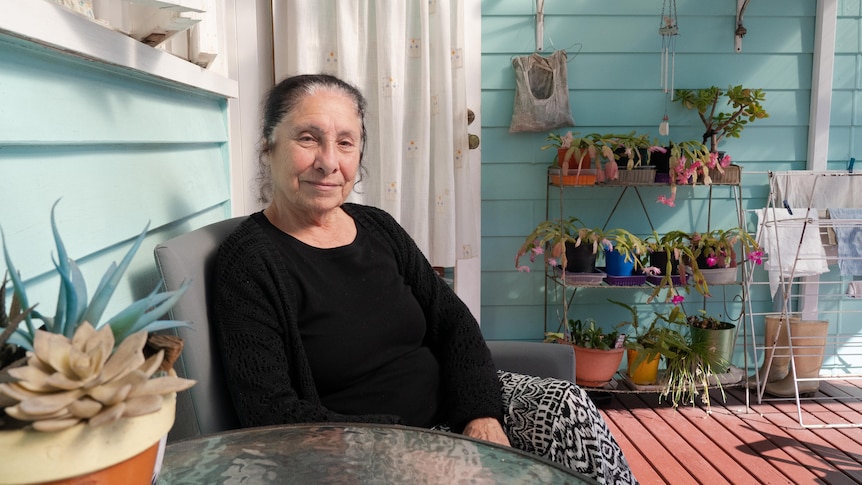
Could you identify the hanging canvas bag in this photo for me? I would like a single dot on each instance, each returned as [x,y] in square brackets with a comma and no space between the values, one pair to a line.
[541,93]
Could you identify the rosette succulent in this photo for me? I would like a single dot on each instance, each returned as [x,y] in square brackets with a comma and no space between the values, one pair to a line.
[67,381]
[79,367]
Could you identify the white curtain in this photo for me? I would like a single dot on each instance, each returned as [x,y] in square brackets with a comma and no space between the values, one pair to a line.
[406,57]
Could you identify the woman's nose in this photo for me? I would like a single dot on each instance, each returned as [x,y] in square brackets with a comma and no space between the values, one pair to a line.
[327,158]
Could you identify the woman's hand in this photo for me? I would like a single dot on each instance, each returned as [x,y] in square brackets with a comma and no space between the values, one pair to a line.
[487,429]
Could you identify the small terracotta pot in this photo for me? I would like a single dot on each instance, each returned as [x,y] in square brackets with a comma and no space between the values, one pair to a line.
[573,161]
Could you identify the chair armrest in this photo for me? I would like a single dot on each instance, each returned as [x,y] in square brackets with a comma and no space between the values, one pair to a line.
[534,358]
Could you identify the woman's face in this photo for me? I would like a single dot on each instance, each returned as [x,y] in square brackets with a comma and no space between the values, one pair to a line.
[315,157]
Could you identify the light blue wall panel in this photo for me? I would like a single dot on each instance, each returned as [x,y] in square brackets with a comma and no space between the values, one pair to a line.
[119,149]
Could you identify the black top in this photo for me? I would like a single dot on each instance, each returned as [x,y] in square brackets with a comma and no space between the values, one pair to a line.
[362,329]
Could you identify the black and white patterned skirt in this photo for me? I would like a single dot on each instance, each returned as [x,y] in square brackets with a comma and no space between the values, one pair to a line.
[555,419]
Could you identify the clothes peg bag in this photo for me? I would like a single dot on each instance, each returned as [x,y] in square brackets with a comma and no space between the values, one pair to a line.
[541,93]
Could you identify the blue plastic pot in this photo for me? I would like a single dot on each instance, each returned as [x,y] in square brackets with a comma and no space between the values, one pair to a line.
[616,264]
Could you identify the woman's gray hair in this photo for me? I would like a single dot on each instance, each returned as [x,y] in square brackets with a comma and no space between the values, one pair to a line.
[281,100]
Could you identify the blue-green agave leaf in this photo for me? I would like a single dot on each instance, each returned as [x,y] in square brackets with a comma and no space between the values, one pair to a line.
[142,313]
[109,283]
[67,295]
[71,300]
[165,324]
[18,288]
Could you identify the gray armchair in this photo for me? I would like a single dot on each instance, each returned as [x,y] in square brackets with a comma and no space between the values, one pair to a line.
[206,407]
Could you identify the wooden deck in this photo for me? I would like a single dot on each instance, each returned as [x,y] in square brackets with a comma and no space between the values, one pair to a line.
[765,445]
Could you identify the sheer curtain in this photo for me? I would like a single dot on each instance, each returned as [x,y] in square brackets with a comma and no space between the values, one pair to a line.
[406,57]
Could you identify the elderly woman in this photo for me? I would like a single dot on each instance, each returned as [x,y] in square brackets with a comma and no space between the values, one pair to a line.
[328,311]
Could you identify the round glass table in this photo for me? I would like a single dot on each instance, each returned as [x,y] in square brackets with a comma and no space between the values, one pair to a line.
[353,454]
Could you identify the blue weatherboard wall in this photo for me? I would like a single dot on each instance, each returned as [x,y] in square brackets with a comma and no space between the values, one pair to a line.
[119,149]
[614,87]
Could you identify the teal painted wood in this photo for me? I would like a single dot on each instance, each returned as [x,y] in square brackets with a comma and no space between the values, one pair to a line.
[614,88]
[120,150]
[70,105]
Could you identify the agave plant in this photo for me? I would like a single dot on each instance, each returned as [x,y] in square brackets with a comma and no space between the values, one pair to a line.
[79,367]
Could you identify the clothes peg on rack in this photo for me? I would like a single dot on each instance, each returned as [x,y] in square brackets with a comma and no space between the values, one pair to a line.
[850,164]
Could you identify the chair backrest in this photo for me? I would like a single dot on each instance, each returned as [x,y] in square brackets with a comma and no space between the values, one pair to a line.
[206,407]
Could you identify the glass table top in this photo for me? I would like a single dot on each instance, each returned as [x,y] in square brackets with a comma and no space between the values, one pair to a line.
[353,454]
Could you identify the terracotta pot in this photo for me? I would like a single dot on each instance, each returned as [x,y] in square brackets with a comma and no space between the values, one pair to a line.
[123,452]
[595,368]
[573,161]
[646,372]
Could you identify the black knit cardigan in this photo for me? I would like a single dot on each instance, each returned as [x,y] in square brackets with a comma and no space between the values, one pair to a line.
[268,374]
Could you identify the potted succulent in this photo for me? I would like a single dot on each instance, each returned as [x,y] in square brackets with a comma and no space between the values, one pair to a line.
[714,253]
[573,151]
[692,370]
[587,152]
[85,392]
[686,160]
[671,259]
[598,353]
[719,336]
[567,243]
[624,253]
[647,344]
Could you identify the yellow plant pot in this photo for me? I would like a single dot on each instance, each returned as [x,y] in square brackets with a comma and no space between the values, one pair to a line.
[124,452]
[646,372]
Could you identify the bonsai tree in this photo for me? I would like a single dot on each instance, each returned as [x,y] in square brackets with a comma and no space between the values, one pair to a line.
[745,107]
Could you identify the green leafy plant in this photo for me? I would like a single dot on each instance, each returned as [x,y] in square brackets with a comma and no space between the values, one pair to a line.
[631,247]
[549,239]
[745,107]
[689,375]
[650,340]
[677,247]
[585,333]
[597,146]
[718,247]
[81,368]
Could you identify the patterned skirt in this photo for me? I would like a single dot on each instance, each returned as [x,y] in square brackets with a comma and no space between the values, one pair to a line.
[555,419]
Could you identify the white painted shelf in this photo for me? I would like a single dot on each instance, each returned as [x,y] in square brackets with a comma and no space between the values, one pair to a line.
[64,31]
